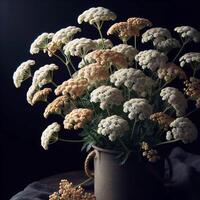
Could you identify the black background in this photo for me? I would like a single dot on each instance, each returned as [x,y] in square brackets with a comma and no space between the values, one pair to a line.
[21,21]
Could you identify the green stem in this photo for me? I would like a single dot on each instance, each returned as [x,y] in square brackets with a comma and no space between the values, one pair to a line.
[54,84]
[168,142]
[70,61]
[166,109]
[132,132]
[86,181]
[73,141]
[123,145]
[179,51]
[100,33]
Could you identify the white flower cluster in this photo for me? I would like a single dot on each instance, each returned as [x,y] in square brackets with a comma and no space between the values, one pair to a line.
[79,47]
[106,43]
[23,72]
[188,33]
[31,92]
[96,16]
[134,79]
[44,75]
[192,57]
[86,60]
[175,98]
[113,127]
[138,108]
[107,96]
[50,135]
[128,51]
[151,59]
[153,33]
[166,45]
[182,129]
[40,43]
[65,35]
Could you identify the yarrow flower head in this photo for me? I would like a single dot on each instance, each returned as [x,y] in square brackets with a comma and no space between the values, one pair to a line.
[106,43]
[40,43]
[114,127]
[182,129]
[23,72]
[67,191]
[107,96]
[79,47]
[50,135]
[60,106]
[128,51]
[192,88]
[175,98]
[133,79]
[31,92]
[86,60]
[188,33]
[74,87]
[108,57]
[44,75]
[151,59]
[170,72]
[138,108]
[190,58]
[41,95]
[96,16]
[77,118]
[139,22]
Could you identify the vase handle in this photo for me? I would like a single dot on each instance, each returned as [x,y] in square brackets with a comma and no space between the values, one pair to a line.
[87,169]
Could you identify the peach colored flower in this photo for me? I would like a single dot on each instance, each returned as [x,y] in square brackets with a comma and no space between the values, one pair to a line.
[41,95]
[140,23]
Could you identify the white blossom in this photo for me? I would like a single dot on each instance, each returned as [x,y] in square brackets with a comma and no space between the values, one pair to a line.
[106,43]
[79,47]
[188,58]
[40,43]
[44,75]
[50,135]
[86,60]
[175,98]
[188,33]
[113,127]
[96,16]
[138,108]
[65,35]
[23,72]
[151,59]
[166,45]
[182,129]
[133,79]
[128,51]
[154,33]
[31,92]
[106,96]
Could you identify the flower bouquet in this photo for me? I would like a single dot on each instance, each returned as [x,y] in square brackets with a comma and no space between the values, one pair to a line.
[126,97]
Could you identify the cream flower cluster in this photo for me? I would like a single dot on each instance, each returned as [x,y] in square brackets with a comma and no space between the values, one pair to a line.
[74,87]
[106,96]
[165,45]
[113,127]
[175,98]
[106,43]
[188,58]
[79,47]
[170,72]
[44,75]
[151,59]
[31,92]
[87,59]
[128,51]
[50,135]
[40,43]
[188,33]
[23,72]
[134,79]
[138,108]
[59,106]
[182,129]
[41,95]
[77,118]
[94,73]
[96,16]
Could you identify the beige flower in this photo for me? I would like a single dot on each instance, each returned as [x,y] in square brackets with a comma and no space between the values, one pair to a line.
[170,72]
[94,73]
[108,57]
[67,191]
[162,119]
[31,92]
[192,88]
[123,30]
[140,23]
[74,87]
[77,118]
[60,106]
[41,95]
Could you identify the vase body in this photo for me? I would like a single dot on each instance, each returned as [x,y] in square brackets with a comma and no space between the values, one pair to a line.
[132,181]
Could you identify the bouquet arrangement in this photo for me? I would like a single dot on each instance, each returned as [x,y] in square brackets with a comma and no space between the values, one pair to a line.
[123,97]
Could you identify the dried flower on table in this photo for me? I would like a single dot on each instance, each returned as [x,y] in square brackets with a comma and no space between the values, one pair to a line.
[23,72]
[41,95]
[77,118]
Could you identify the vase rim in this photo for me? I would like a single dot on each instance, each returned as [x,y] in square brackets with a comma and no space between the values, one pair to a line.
[105,150]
